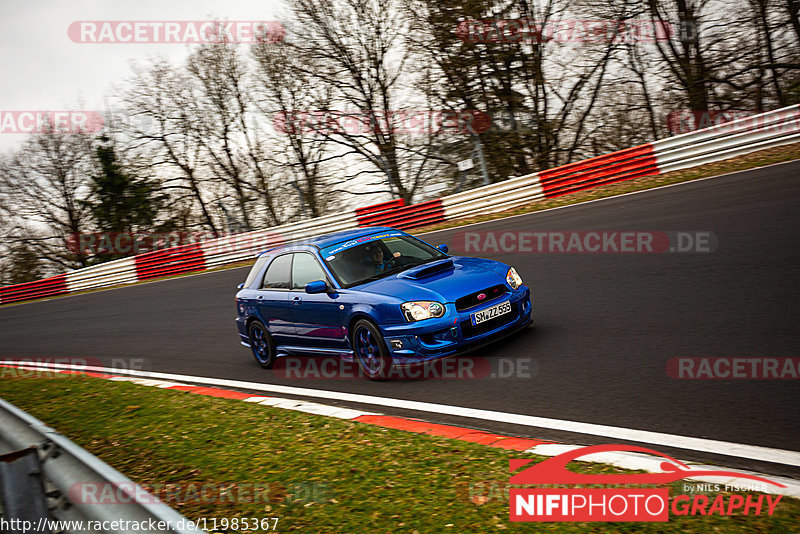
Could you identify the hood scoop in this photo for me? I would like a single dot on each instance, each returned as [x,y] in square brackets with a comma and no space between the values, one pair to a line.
[428,269]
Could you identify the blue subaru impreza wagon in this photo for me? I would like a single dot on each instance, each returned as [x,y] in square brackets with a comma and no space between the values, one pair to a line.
[376,295]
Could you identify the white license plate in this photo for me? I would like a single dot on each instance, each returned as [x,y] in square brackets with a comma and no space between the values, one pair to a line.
[491,313]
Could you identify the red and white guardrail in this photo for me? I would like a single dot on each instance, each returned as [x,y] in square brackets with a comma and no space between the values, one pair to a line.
[716,143]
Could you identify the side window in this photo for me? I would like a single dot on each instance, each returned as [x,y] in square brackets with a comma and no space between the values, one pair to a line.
[306,269]
[277,276]
[256,269]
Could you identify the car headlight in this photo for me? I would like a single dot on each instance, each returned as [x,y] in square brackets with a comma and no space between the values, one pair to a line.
[513,279]
[420,310]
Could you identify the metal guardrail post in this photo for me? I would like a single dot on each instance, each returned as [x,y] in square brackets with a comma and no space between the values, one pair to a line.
[67,469]
[22,491]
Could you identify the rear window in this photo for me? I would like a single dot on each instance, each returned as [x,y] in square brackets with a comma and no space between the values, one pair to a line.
[257,266]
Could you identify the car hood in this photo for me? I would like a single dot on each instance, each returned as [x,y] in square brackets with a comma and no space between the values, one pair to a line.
[467,275]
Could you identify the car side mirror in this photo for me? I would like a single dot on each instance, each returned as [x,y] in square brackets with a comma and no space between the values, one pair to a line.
[443,248]
[317,286]
[240,286]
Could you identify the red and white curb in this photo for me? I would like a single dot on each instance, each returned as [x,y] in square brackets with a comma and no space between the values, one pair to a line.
[624,460]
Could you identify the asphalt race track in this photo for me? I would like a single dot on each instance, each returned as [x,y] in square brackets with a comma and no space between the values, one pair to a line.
[606,324]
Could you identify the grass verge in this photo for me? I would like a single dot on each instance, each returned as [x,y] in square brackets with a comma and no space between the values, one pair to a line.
[321,474]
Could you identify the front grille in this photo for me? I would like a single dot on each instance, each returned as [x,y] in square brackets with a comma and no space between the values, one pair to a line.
[470,301]
[468,330]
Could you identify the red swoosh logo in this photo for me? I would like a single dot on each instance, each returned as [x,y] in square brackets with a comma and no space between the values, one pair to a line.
[554,470]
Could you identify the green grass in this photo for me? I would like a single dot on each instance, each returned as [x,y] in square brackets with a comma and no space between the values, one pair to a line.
[323,474]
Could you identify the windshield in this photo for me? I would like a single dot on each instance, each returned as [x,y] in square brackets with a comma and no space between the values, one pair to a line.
[369,258]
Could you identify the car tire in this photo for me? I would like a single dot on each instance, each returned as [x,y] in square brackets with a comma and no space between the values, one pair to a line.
[262,344]
[370,351]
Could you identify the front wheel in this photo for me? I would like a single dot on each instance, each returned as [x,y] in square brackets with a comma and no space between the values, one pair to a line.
[262,345]
[370,350]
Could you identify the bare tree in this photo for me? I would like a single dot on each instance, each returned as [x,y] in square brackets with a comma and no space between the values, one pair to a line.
[632,103]
[167,100]
[284,92]
[45,186]
[685,59]
[544,90]
[227,130]
[779,50]
[357,49]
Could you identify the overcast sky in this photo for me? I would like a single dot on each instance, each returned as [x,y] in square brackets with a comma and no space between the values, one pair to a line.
[42,69]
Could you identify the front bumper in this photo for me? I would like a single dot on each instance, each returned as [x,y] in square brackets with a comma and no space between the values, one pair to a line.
[412,343]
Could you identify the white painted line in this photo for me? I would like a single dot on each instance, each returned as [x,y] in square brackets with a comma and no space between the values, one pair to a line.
[154,383]
[348,413]
[25,367]
[311,407]
[725,448]
[255,399]
[289,404]
[552,449]
[272,401]
[167,385]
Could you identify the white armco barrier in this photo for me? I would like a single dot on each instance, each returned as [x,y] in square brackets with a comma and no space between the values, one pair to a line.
[728,140]
[238,247]
[493,198]
[106,274]
[716,143]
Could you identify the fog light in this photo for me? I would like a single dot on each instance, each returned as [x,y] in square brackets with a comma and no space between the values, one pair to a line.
[396,343]
[441,336]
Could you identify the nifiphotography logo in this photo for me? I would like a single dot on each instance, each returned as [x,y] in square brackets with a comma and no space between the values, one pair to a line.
[626,504]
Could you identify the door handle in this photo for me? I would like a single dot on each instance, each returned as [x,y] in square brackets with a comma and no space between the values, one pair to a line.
[297,300]
[261,297]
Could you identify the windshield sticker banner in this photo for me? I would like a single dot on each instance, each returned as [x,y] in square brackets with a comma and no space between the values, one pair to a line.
[335,249]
